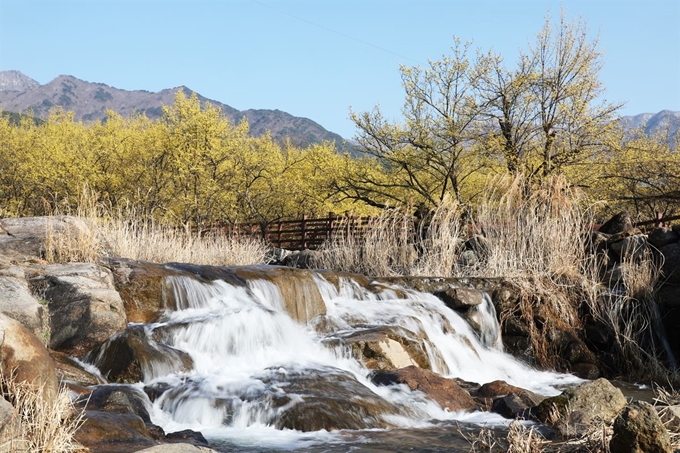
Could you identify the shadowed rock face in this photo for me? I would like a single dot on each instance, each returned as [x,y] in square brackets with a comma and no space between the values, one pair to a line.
[131,356]
[84,307]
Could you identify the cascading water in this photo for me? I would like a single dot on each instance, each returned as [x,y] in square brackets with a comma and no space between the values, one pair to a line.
[258,374]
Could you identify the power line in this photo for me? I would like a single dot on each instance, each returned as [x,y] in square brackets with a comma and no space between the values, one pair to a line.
[334,31]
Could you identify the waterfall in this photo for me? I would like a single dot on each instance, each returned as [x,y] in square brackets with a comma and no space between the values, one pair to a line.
[258,369]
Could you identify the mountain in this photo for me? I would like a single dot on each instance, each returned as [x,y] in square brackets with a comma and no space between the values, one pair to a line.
[666,122]
[90,101]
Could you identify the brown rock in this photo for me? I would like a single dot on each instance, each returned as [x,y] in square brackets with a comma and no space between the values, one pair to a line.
[109,432]
[24,355]
[446,392]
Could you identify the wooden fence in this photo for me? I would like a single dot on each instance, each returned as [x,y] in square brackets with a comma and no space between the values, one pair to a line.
[310,233]
[304,233]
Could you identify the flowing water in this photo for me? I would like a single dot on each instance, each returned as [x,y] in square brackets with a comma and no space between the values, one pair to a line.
[262,381]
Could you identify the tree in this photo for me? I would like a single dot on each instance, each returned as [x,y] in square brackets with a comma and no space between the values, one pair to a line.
[564,89]
[432,152]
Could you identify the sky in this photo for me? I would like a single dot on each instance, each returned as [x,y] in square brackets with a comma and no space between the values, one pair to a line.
[319,58]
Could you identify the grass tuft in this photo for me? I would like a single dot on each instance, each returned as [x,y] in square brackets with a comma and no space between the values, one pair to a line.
[38,424]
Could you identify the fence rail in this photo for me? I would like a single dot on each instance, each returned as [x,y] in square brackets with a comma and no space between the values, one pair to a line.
[310,233]
[304,233]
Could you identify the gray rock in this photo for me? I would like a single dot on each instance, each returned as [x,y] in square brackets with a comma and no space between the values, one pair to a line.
[578,407]
[17,302]
[633,247]
[638,429]
[85,309]
[25,236]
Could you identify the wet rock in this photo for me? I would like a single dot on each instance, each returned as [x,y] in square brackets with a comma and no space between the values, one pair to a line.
[514,406]
[586,370]
[387,348]
[17,302]
[638,429]
[120,399]
[329,401]
[508,400]
[69,371]
[131,356]
[85,309]
[460,299]
[111,432]
[24,355]
[189,436]
[446,392]
[578,407]
[497,389]
[301,296]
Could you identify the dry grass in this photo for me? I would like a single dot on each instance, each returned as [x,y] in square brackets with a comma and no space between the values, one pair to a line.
[398,244]
[663,399]
[39,425]
[132,235]
[519,439]
[627,307]
[532,229]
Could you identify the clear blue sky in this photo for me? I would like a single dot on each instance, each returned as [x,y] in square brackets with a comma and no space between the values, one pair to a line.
[316,58]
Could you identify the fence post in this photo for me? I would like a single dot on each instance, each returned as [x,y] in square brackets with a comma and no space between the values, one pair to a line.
[659,218]
[331,224]
[303,235]
[278,235]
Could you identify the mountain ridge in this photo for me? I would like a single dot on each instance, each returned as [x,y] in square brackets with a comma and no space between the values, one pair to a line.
[90,101]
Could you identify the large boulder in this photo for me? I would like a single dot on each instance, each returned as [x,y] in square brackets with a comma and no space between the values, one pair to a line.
[445,392]
[24,238]
[331,400]
[620,223]
[638,429]
[17,302]
[577,408]
[85,309]
[24,358]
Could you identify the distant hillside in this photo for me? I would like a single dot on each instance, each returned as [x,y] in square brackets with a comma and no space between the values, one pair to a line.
[90,101]
[665,122]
